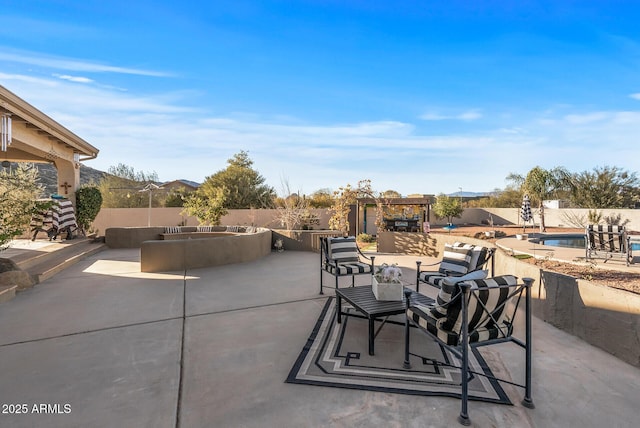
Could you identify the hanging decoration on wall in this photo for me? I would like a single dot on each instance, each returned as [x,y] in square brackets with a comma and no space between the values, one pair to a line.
[5,131]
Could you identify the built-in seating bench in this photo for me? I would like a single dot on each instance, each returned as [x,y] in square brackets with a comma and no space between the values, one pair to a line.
[198,232]
[180,248]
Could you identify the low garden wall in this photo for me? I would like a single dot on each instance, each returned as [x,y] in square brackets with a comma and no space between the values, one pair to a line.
[602,316]
[131,237]
[303,240]
[181,254]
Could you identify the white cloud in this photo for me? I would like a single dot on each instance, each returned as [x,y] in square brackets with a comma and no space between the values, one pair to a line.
[71,64]
[27,79]
[579,119]
[635,96]
[470,115]
[161,132]
[466,116]
[77,79]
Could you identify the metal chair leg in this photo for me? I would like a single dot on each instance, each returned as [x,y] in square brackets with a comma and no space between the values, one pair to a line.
[463,418]
[406,364]
[527,401]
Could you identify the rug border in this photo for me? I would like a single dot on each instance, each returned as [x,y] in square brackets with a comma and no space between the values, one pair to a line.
[291,377]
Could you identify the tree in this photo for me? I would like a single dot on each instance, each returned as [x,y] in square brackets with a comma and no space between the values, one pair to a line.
[242,185]
[120,188]
[176,197]
[207,204]
[541,184]
[293,209]
[390,194]
[322,198]
[510,197]
[346,196]
[19,190]
[88,203]
[343,198]
[606,187]
[447,207]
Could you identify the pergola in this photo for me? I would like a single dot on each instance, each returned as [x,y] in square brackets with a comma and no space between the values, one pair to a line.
[423,203]
[35,137]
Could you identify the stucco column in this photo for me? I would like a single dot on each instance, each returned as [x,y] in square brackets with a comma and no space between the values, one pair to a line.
[68,178]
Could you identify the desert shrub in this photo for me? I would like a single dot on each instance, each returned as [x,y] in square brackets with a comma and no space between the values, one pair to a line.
[615,219]
[88,202]
[365,237]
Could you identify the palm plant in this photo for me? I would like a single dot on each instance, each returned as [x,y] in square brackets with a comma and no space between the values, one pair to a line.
[541,184]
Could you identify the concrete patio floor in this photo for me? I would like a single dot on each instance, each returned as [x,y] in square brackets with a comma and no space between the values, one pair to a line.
[114,347]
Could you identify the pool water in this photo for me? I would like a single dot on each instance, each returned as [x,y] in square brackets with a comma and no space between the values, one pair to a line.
[564,242]
[573,241]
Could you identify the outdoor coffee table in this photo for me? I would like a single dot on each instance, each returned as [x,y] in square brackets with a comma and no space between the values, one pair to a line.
[363,300]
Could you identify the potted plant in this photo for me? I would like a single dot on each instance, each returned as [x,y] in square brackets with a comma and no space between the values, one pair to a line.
[386,283]
[490,233]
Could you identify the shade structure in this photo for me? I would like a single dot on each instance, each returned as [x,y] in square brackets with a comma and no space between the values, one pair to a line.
[525,210]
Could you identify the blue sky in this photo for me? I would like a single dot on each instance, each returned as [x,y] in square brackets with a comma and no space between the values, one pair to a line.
[418,96]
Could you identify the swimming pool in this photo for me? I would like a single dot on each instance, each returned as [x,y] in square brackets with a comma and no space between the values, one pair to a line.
[570,240]
[567,240]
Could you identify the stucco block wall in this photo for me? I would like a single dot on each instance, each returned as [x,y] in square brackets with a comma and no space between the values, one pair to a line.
[424,244]
[139,217]
[182,254]
[602,316]
[303,240]
[130,237]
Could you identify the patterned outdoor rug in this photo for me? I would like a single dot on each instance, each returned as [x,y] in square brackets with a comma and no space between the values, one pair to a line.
[337,355]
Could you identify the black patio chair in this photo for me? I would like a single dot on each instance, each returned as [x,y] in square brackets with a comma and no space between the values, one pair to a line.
[341,257]
[458,259]
[606,242]
[476,313]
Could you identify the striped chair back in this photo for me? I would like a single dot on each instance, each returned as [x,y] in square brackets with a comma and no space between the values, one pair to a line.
[343,250]
[456,259]
[487,305]
[606,237]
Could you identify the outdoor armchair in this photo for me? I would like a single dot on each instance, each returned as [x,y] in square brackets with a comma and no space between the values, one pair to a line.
[341,257]
[458,259]
[607,242]
[477,313]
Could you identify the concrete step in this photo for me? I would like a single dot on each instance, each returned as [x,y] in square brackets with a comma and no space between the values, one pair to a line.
[53,262]
[7,292]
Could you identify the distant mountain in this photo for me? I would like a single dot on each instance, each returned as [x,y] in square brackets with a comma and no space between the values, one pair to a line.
[49,176]
[470,194]
[188,183]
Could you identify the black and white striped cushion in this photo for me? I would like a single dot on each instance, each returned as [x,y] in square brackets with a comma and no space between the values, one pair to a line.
[491,297]
[204,229]
[481,326]
[455,260]
[607,237]
[433,278]
[420,315]
[343,250]
[172,229]
[449,290]
[478,255]
[349,268]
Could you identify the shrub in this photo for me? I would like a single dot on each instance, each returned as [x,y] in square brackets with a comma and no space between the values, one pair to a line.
[365,237]
[88,203]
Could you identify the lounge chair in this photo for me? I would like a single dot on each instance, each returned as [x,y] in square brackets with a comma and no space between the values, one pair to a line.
[476,313]
[342,257]
[607,242]
[458,259]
